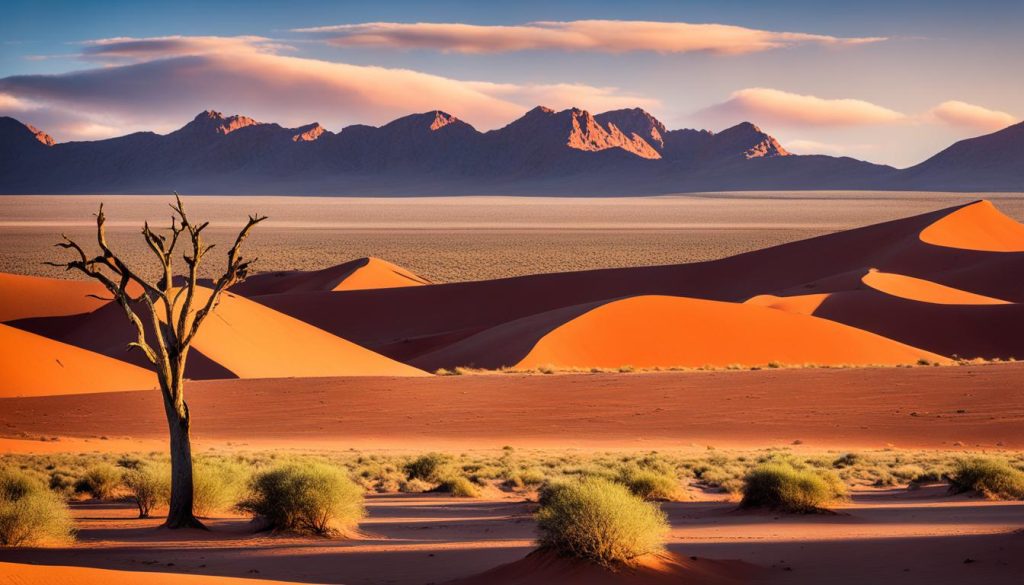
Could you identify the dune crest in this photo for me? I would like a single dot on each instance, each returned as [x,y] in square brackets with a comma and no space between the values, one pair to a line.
[801,304]
[253,341]
[27,297]
[925,291]
[33,365]
[978,226]
[377,273]
[361,274]
[663,331]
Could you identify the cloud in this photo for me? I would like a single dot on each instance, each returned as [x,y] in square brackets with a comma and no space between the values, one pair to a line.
[603,36]
[772,106]
[172,80]
[144,49]
[962,114]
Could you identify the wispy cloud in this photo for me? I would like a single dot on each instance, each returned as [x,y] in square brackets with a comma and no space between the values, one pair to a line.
[773,106]
[173,78]
[963,114]
[603,36]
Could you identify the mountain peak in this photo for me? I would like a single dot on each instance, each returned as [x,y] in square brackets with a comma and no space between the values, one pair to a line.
[40,135]
[636,121]
[432,121]
[17,131]
[754,142]
[308,133]
[213,122]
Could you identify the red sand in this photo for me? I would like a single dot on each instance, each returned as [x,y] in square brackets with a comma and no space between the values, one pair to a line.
[824,408]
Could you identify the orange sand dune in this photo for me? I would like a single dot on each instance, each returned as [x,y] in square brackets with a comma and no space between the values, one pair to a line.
[547,568]
[361,274]
[253,341]
[661,331]
[917,289]
[32,365]
[25,297]
[801,304]
[20,574]
[979,226]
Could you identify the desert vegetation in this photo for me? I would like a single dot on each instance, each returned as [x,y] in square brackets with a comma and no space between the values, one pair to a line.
[780,485]
[31,514]
[599,520]
[311,498]
[991,478]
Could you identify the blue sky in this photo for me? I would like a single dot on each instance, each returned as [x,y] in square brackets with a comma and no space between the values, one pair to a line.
[890,82]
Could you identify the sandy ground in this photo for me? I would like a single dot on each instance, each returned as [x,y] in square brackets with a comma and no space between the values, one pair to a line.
[878,537]
[922,407]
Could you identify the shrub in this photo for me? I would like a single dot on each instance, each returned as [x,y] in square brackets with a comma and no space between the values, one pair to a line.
[989,477]
[780,486]
[601,521]
[149,485]
[459,487]
[29,513]
[100,481]
[650,484]
[415,486]
[312,498]
[216,486]
[427,467]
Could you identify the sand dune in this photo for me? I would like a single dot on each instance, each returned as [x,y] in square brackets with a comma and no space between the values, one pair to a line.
[32,365]
[979,226]
[20,574]
[917,289]
[24,297]
[800,304]
[253,341]
[361,274]
[653,331]
[545,567]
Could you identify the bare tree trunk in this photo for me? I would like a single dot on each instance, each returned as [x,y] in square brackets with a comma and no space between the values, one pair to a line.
[180,513]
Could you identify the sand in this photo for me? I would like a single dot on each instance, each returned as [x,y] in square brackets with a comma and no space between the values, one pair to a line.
[15,574]
[823,408]
[253,341]
[977,227]
[361,274]
[24,297]
[917,289]
[32,365]
[652,331]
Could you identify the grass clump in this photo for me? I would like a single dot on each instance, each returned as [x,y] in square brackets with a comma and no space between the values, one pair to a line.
[30,514]
[216,485]
[650,484]
[430,467]
[989,477]
[780,486]
[459,487]
[312,498]
[99,481]
[601,521]
[149,485]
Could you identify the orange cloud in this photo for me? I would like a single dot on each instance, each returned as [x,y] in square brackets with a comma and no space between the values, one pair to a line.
[604,36]
[957,113]
[772,106]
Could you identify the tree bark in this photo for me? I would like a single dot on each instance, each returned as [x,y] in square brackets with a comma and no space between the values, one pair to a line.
[180,513]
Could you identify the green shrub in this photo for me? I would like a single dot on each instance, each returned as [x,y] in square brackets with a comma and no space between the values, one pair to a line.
[30,513]
[415,486]
[780,486]
[149,485]
[459,487]
[216,486]
[601,521]
[311,498]
[429,467]
[650,484]
[989,477]
[99,481]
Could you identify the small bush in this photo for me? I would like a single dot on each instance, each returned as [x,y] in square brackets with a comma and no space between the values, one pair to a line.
[601,521]
[216,486]
[989,477]
[780,486]
[415,486]
[312,498]
[30,513]
[650,484]
[100,481]
[427,467]
[149,485]
[459,487]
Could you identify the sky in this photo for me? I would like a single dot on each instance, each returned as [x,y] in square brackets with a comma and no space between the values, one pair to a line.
[890,82]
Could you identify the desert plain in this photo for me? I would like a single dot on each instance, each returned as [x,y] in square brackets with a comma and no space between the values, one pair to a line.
[872,335]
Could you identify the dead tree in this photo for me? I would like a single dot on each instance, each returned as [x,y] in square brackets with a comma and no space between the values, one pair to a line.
[165,323]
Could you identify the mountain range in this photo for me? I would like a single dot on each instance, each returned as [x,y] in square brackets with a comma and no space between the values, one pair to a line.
[545,152]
